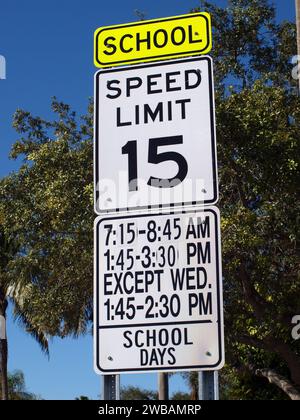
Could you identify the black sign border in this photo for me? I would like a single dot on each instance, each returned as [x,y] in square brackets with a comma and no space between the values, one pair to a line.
[97,284]
[156,57]
[213,139]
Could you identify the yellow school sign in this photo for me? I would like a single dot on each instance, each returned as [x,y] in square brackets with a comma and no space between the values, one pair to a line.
[151,40]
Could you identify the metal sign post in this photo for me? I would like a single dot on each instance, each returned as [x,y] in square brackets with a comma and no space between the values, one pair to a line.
[163,386]
[111,387]
[208,385]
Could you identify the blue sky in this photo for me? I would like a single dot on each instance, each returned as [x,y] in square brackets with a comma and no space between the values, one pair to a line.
[48,46]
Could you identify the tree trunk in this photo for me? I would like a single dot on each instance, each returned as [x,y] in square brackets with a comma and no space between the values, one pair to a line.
[3,361]
[163,386]
[194,394]
[3,347]
[280,381]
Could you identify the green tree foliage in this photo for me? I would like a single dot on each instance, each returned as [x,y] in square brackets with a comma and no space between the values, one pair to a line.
[241,384]
[46,208]
[82,398]
[46,219]
[17,294]
[260,212]
[248,43]
[258,152]
[180,396]
[17,388]
[130,393]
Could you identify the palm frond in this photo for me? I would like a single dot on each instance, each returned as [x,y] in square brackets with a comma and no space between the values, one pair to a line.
[22,317]
[22,314]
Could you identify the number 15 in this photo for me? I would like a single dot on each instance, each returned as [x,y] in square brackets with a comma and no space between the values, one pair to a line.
[154,157]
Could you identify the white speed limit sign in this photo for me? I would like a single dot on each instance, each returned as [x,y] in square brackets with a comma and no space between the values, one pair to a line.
[155,136]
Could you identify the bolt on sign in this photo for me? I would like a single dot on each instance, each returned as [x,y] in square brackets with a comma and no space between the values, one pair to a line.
[155,135]
[158,292]
[151,40]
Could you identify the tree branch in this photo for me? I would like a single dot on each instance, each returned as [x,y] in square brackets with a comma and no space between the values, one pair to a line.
[234,169]
[273,345]
[258,304]
[280,381]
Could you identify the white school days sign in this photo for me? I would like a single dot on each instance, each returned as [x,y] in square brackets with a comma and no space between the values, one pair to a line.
[158,292]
